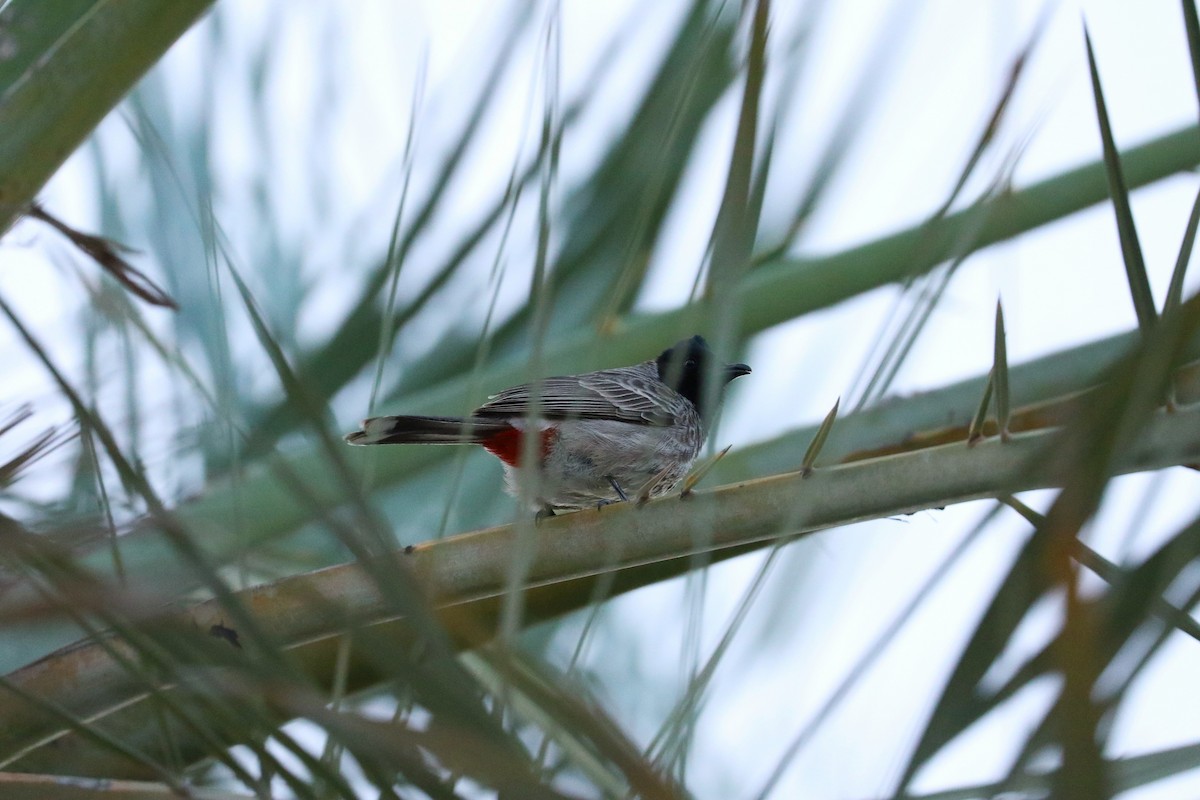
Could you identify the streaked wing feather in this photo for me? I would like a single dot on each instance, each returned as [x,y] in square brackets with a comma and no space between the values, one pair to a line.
[624,395]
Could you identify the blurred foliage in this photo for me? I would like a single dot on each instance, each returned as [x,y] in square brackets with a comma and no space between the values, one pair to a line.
[160,622]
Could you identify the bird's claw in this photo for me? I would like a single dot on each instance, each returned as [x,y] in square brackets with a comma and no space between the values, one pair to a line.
[616,488]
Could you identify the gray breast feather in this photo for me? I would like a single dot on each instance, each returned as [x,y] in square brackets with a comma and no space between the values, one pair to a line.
[627,394]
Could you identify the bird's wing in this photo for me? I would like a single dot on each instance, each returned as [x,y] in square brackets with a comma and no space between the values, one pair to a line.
[627,394]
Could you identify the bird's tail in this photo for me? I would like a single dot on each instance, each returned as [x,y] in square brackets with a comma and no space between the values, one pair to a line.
[426,430]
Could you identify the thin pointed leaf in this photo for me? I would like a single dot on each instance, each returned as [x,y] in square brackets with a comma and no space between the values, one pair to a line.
[700,473]
[1000,374]
[1131,249]
[975,431]
[736,225]
[1191,25]
[818,442]
[1175,290]
[49,441]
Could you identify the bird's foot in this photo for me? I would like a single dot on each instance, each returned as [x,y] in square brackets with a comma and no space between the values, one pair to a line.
[616,488]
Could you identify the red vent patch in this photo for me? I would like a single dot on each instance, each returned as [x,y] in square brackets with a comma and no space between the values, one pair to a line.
[506,445]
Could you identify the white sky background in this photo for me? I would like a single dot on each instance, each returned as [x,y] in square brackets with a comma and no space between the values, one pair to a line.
[1061,285]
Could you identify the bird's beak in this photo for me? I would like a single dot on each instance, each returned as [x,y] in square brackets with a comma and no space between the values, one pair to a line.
[735,371]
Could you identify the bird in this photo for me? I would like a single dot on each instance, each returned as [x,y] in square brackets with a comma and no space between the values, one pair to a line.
[597,437]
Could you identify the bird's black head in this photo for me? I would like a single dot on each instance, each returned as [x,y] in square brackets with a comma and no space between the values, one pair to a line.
[685,366]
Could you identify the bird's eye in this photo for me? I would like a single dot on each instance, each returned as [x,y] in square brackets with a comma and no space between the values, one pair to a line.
[690,363]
